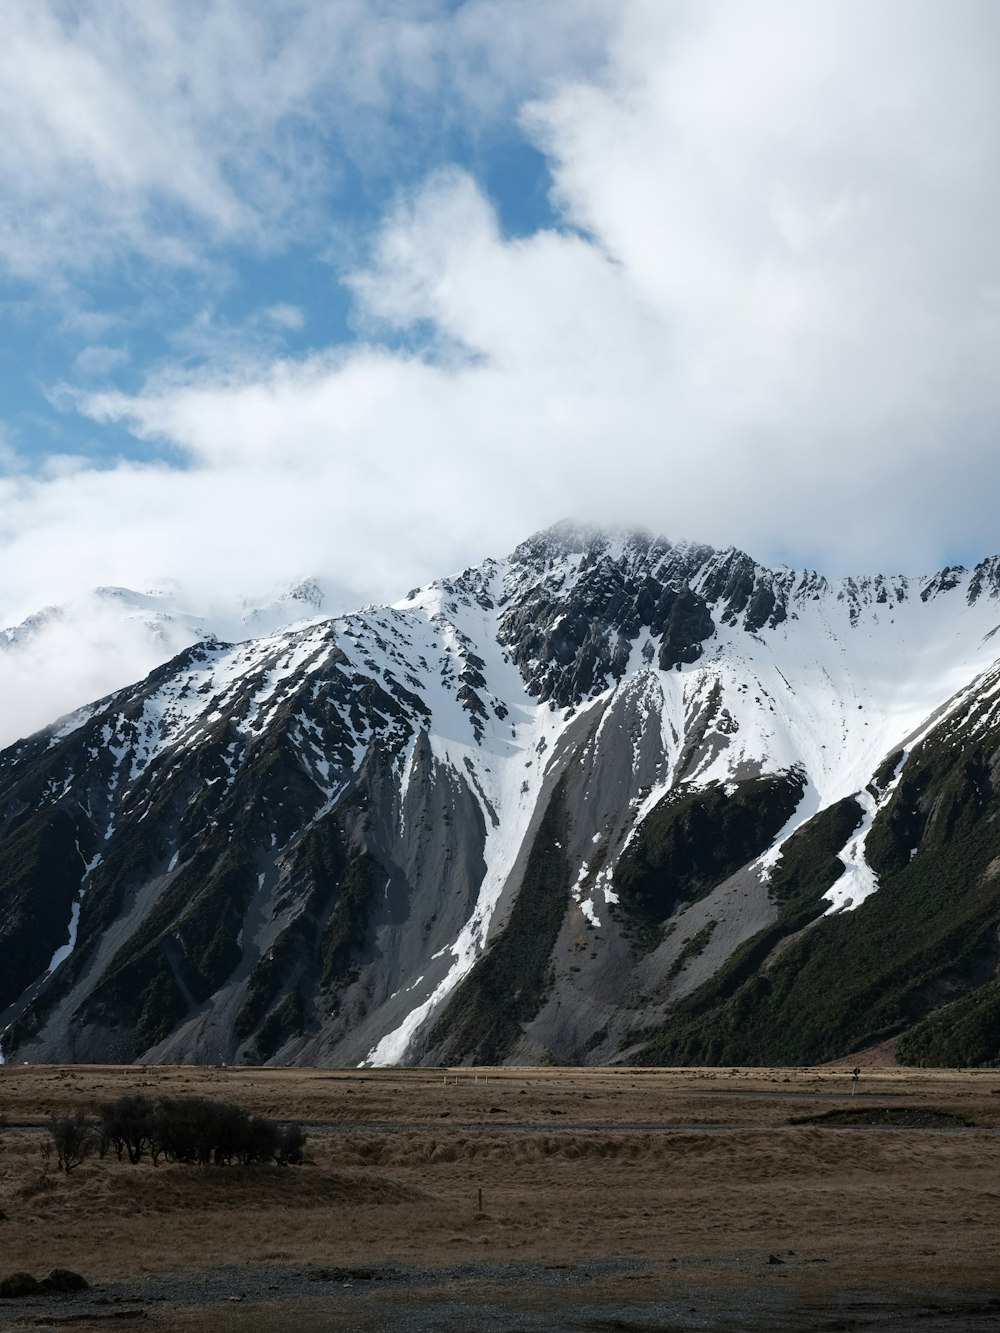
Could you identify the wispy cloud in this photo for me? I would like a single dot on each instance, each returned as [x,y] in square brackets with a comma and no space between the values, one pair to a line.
[284,315]
[97,359]
[166,130]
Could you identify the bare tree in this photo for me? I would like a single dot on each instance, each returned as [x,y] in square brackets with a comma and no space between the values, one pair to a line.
[73,1137]
[127,1126]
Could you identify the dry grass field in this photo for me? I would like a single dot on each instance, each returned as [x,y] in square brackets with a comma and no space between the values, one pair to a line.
[610,1199]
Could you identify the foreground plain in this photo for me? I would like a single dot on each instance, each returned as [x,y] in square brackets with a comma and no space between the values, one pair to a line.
[611,1198]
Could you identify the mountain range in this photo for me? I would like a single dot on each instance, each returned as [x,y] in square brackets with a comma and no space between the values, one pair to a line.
[608,799]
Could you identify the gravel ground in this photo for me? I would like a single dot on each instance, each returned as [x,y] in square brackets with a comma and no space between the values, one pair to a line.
[520,1298]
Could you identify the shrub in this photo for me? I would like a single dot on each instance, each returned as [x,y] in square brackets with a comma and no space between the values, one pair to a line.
[16,1285]
[195,1129]
[127,1125]
[72,1137]
[291,1145]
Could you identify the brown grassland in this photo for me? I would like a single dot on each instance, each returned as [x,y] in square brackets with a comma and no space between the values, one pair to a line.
[609,1196]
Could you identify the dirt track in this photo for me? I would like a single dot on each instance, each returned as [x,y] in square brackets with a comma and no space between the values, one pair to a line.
[611,1199]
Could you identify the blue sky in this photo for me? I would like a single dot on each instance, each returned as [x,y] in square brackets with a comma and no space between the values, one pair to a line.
[371,290]
[125,313]
[126,319]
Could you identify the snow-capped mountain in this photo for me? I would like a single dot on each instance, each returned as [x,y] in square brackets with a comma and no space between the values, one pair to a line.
[67,654]
[608,798]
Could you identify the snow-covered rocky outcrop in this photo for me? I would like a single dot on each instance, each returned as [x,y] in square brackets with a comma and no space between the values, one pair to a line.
[69,653]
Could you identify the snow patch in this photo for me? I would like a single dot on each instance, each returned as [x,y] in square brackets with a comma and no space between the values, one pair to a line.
[858,880]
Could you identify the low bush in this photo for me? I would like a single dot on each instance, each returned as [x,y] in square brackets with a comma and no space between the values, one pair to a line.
[73,1138]
[196,1130]
[127,1126]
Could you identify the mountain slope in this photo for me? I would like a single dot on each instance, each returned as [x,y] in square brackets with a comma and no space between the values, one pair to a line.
[66,654]
[609,798]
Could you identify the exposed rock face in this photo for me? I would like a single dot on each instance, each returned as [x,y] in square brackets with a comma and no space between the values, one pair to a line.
[610,798]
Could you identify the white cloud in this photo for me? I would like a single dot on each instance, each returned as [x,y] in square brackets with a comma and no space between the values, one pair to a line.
[778,326]
[772,319]
[98,360]
[170,128]
[74,658]
[284,315]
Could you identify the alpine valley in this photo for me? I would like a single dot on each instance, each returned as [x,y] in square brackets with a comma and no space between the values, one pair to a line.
[609,799]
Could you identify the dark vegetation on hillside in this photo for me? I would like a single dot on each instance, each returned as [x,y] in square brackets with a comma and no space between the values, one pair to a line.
[40,870]
[697,837]
[183,842]
[734,1009]
[961,1035]
[928,938]
[321,943]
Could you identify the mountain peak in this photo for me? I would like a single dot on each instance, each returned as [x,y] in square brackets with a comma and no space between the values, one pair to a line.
[307,591]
